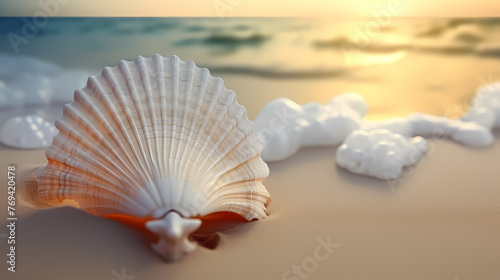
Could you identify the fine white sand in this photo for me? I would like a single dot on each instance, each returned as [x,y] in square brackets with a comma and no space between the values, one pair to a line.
[440,221]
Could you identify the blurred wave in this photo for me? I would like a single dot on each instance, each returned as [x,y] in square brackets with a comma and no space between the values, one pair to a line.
[278,74]
[26,81]
[447,37]
[443,48]
[225,40]
[263,47]
[437,28]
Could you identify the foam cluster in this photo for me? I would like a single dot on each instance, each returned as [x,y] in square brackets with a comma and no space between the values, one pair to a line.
[27,81]
[376,148]
[379,153]
[283,126]
[485,107]
[418,124]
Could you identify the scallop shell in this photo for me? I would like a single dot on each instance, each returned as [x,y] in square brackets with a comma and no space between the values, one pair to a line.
[159,138]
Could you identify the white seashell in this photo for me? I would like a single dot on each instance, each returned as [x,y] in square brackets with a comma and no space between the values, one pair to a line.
[27,132]
[161,138]
[379,153]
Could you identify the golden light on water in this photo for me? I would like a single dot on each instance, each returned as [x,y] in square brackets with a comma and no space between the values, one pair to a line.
[367,59]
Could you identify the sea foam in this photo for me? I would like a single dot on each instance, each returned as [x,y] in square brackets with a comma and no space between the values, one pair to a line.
[27,132]
[26,81]
[376,148]
[283,126]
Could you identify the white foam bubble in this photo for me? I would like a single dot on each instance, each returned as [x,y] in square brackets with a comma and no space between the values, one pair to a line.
[418,124]
[485,107]
[379,153]
[26,81]
[27,132]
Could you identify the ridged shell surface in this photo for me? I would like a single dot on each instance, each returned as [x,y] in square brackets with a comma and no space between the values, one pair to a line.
[152,136]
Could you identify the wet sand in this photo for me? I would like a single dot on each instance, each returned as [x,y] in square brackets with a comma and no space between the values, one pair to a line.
[441,221]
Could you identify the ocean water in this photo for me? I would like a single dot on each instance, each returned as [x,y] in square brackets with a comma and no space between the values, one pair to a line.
[413,61]
[268,47]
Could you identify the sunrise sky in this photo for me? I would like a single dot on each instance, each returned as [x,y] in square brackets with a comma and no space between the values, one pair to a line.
[232,8]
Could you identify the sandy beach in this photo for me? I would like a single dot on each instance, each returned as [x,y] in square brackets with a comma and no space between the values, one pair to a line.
[440,221]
